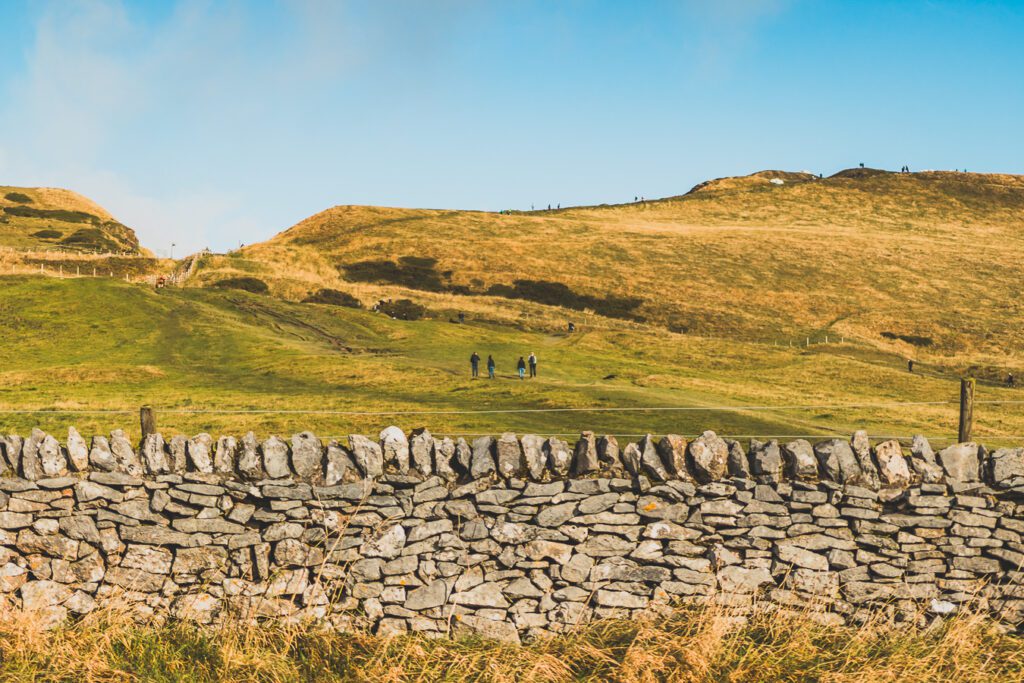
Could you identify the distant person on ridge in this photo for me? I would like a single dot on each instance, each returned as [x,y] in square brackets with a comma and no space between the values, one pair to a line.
[910,366]
[474,362]
[532,360]
[1010,381]
[521,367]
[490,366]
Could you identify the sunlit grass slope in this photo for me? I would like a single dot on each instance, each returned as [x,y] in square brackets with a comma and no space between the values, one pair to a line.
[41,218]
[864,255]
[88,344]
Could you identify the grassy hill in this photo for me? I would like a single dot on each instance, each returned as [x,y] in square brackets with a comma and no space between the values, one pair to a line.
[39,218]
[101,344]
[922,265]
[765,290]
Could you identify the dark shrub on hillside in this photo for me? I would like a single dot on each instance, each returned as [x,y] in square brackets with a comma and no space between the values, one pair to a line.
[53,214]
[48,234]
[333,297]
[248,284]
[91,238]
[558,294]
[403,309]
[414,272]
[910,338]
[18,197]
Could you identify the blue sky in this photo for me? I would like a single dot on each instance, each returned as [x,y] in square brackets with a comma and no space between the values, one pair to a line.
[213,123]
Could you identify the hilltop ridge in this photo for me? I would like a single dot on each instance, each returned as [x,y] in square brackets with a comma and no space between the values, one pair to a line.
[43,218]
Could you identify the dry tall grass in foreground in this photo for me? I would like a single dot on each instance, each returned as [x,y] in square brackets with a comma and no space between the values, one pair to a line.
[692,645]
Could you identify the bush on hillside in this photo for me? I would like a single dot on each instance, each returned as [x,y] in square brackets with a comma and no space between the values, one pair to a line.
[333,297]
[248,284]
[18,197]
[910,338]
[48,234]
[402,309]
[53,214]
[414,272]
[559,294]
[92,239]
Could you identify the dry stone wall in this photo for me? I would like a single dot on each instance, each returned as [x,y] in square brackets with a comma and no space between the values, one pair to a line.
[505,536]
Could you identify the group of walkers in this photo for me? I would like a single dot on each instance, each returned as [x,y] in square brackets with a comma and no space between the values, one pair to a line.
[521,366]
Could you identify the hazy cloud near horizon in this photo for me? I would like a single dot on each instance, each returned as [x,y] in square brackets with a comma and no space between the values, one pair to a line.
[211,123]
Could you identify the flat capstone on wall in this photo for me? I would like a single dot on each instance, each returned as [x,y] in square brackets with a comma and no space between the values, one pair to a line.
[507,537]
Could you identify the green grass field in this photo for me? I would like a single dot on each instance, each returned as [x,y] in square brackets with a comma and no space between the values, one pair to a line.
[85,344]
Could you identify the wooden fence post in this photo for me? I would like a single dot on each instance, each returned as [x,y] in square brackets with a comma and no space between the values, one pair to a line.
[966,409]
[147,421]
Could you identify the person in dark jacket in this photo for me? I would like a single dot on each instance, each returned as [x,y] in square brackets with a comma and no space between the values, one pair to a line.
[521,367]
[532,360]
[474,362]
[490,366]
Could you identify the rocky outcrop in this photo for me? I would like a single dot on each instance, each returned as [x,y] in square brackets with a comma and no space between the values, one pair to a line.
[507,537]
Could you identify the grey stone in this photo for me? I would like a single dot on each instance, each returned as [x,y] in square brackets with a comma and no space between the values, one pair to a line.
[444,457]
[558,455]
[275,458]
[533,456]
[861,445]
[154,454]
[395,449]
[428,596]
[483,463]
[837,461]
[892,466]
[51,458]
[421,449]
[608,453]
[340,467]
[672,452]
[388,545]
[31,467]
[226,455]
[709,455]
[199,453]
[737,462]
[766,461]
[78,453]
[800,460]
[178,447]
[368,456]
[631,457]
[250,464]
[584,457]
[960,461]
[1007,467]
[100,456]
[307,456]
[510,456]
[651,463]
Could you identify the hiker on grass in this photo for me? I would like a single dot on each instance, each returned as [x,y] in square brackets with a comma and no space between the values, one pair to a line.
[474,362]
[910,366]
[521,367]
[1010,381]
[532,360]
[490,366]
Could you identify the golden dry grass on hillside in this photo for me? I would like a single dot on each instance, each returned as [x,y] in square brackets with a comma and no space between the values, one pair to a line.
[925,255]
[692,645]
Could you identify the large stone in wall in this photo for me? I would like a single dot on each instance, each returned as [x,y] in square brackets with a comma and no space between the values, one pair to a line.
[608,453]
[154,455]
[558,455]
[226,455]
[51,458]
[421,451]
[178,447]
[444,458]
[200,453]
[483,464]
[533,456]
[31,467]
[124,455]
[837,461]
[307,455]
[395,447]
[100,457]
[960,461]
[922,461]
[275,458]
[737,463]
[339,466]
[709,457]
[463,460]
[250,462]
[584,457]
[650,460]
[368,456]
[892,466]
[766,461]
[672,451]
[11,446]
[1007,467]
[631,459]
[800,461]
[509,455]
[861,445]
[78,452]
